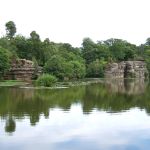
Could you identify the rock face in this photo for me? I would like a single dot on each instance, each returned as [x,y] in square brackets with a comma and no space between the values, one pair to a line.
[22,69]
[126,69]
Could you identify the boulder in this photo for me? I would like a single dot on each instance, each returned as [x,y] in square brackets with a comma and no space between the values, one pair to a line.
[126,69]
[22,69]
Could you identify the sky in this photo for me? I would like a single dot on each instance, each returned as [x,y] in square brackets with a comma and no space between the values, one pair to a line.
[74,130]
[69,21]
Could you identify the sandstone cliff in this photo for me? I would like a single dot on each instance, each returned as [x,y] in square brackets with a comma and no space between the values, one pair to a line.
[22,69]
[126,69]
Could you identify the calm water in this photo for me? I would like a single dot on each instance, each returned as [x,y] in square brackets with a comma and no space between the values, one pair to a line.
[110,116]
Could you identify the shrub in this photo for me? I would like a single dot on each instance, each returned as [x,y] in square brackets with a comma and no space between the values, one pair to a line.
[46,80]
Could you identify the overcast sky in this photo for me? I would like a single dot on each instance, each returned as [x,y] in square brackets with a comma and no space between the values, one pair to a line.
[72,20]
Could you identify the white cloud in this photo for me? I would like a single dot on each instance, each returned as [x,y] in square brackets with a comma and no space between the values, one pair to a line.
[100,129]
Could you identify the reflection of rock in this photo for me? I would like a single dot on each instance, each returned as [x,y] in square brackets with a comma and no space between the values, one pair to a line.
[111,96]
[126,69]
[136,86]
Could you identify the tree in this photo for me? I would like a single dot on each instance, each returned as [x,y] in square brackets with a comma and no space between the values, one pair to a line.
[36,47]
[47,41]
[147,42]
[92,51]
[10,29]
[49,49]
[79,69]
[55,67]
[23,46]
[120,49]
[34,36]
[64,69]
[88,50]
[10,125]
[4,61]
[96,68]
[103,52]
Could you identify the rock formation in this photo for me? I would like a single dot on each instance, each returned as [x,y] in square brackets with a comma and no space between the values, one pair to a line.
[22,69]
[126,69]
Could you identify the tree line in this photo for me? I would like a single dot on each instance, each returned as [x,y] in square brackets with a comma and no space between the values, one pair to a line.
[65,61]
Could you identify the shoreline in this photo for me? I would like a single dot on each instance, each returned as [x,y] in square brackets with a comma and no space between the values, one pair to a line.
[61,84]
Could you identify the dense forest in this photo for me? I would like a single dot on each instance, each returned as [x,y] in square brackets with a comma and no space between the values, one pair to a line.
[65,61]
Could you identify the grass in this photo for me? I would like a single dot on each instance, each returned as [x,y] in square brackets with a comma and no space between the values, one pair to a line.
[85,81]
[61,84]
[11,83]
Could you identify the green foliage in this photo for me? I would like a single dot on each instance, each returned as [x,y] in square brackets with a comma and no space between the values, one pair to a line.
[121,50]
[11,83]
[147,42]
[10,45]
[10,125]
[36,48]
[96,68]
[79,69]
[55,66]
[36,66]
[34,36]
[147,58]
[111,49]
[148,64]
[89,50]
[68,62]
[46,80]
[64,69]
[23,47]
[10,29]
[4,61]
[49,49]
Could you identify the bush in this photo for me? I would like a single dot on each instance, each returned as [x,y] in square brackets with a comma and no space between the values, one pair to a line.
[46,80]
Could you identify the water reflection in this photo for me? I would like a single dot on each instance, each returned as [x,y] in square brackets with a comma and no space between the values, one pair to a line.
[128,86]
[10,125]
[111,96]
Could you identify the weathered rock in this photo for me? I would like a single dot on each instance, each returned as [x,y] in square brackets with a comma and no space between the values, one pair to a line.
[22,69]
[126,69]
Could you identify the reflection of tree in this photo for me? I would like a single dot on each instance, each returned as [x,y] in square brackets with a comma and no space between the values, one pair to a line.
[33,103]
[17,103]
[33,119]
[114,99]
[10,125]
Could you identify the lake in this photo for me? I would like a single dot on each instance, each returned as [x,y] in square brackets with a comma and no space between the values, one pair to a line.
[114,115]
